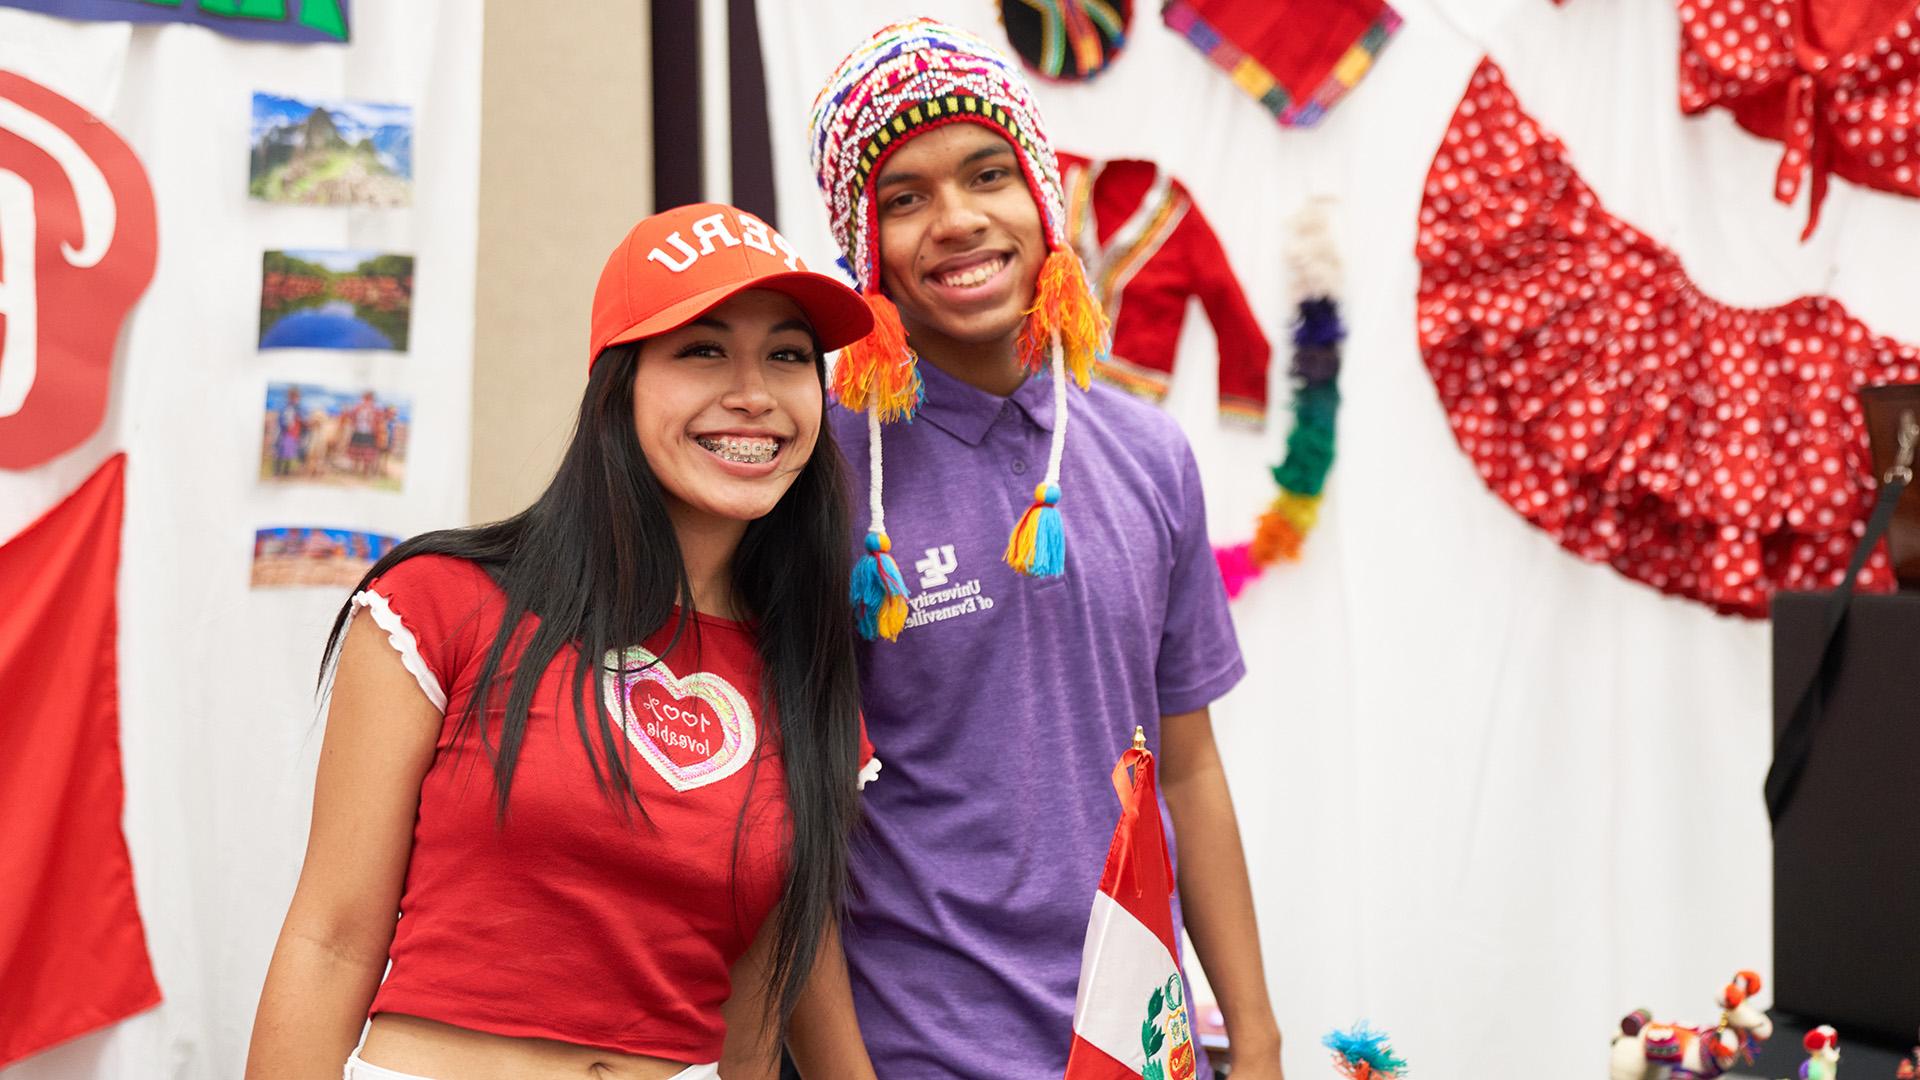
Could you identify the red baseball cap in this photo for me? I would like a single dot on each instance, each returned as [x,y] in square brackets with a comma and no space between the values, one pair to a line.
[680,263]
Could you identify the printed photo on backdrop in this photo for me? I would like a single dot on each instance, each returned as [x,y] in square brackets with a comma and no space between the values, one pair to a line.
[297,555]
[331,153]
[326,435]
[311,299]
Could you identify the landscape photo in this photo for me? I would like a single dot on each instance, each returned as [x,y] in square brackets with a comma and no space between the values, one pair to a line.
[299,555]
[338,437]
[331,153]
[311,299]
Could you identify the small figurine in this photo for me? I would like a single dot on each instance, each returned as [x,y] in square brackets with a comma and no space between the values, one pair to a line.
[1823,1054]
[1648,1051]
[1910,1066]
[1364,1054]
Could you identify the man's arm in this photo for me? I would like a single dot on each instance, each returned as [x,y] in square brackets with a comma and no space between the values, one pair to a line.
[1215,893]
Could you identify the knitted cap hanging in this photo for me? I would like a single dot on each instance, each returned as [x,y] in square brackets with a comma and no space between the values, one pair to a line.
[904,80]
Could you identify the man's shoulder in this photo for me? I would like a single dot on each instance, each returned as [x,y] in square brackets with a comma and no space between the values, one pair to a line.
[1143,428]
[849,427]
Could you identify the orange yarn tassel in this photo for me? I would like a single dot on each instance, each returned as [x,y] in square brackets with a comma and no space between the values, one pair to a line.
[878,371]
[1063,302]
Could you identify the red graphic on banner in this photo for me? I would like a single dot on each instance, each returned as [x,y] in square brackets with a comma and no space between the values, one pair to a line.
[77,248]
[73,955]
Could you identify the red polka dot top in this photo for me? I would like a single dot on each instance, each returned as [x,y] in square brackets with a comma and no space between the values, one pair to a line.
[1834,80]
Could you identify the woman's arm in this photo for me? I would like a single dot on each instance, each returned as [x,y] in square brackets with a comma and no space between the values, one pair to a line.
[381,732]
[824,1037]
[1215,894]
[753,1048]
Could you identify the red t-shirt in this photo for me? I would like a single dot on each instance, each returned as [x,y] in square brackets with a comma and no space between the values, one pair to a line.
[570,921]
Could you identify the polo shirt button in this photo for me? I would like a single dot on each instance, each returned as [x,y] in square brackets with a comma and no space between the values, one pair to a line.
[1019,467]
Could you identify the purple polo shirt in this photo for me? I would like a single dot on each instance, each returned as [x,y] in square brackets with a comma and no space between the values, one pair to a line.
[1003,707]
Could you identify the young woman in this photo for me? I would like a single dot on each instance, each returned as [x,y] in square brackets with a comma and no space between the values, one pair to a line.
[589,772]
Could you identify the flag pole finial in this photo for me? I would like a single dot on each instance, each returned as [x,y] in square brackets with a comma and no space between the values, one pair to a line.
[1139,737]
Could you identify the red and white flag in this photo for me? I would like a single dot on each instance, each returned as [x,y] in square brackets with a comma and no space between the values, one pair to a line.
[1131,1017]
[73,953]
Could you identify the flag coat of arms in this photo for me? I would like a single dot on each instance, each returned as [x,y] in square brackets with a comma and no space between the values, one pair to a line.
[1131,1017]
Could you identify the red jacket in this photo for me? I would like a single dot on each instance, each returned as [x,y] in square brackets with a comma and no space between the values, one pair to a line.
[1148,249]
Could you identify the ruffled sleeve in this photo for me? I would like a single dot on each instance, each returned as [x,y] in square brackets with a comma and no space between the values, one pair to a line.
[426,607]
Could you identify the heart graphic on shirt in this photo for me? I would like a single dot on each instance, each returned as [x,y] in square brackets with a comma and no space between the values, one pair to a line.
[694,731]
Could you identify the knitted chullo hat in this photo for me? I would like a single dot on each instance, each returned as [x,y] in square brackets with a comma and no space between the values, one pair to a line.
[903,81]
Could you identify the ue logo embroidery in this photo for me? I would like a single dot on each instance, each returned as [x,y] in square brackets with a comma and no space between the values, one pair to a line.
[694,731]
[936,566]
[712,229]
[77,248]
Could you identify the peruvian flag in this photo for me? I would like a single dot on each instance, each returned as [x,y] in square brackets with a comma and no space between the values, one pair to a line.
[73,953]
[1131,1017]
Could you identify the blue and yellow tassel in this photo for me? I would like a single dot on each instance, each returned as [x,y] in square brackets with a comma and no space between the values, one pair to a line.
[1038,546]
[879,592]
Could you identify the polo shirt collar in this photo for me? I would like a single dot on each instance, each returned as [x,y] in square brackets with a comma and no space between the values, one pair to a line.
[967,412]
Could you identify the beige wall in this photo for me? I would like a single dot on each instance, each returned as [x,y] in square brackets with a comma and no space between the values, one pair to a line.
[565,169]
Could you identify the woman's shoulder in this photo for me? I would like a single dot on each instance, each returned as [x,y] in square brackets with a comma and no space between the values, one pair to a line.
[432,573]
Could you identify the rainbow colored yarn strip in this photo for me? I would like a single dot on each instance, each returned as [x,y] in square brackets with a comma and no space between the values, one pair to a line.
[1301,476]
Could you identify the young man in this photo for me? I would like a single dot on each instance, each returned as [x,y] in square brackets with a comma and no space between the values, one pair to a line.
[1022,665]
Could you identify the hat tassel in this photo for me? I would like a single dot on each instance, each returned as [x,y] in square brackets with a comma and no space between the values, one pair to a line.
[877,374]
[878,591]
[1064,314]
[1038,546]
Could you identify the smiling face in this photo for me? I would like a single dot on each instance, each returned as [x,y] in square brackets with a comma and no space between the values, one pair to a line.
[727,408]
[961,242]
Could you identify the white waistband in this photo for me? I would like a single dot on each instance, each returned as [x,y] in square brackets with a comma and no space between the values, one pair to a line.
[360,1070]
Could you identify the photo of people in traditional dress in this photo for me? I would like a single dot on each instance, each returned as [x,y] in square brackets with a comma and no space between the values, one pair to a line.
[298,555]
[311,299]
[326,435]
[331,153]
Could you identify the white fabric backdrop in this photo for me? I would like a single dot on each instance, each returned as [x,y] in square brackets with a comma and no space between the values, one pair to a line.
[1493,797]
[219,734]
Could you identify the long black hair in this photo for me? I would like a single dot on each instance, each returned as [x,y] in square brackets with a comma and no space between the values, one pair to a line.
[597,561]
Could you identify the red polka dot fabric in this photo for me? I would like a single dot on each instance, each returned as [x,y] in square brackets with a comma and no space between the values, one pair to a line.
[1711,451]
[1834,80]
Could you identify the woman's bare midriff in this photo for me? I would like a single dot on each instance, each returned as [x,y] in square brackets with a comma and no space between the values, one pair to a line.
[410,1044]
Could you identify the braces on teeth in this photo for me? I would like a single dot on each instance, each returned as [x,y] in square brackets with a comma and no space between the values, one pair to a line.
[744,451]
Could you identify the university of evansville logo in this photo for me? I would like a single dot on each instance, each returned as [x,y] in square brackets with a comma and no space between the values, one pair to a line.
[940,597]
[77,248]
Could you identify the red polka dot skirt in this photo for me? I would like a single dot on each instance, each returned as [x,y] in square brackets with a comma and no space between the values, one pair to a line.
[1711,451]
